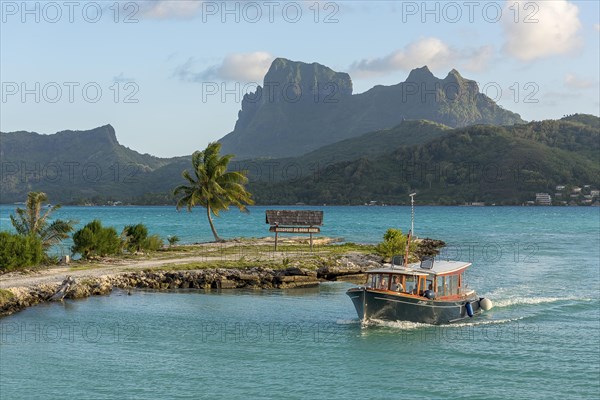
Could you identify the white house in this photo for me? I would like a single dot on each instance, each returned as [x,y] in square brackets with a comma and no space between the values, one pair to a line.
[543,199]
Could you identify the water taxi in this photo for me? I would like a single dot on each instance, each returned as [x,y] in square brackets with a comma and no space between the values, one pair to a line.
[431,292]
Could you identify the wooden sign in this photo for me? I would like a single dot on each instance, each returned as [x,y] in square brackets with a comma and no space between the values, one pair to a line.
[294,217]
[294,221]
[295,229]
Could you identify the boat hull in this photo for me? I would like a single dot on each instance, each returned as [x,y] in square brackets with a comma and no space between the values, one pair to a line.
[390,306]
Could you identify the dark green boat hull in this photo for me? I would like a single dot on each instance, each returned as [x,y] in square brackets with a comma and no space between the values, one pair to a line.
[372,304]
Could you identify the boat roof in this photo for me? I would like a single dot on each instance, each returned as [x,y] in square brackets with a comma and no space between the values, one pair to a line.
[441,267]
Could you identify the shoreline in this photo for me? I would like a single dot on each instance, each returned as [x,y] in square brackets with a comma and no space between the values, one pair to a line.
[21,290]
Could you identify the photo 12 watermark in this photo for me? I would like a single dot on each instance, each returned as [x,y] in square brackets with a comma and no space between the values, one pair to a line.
[330,92]
[252,12]
[492,252]
[453,12]
[69,92]
[271,332]
[67,332]
[68,172]
[53,12]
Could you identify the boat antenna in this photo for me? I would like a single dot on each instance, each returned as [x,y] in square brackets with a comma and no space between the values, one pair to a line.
[412,212]
[407,248]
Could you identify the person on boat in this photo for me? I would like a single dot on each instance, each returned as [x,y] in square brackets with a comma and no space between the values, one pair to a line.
[383,284]
[397,285]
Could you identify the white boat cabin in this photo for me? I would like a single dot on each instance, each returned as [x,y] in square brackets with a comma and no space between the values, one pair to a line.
[429,278]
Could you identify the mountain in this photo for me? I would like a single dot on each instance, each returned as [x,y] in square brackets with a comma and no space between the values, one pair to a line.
[302,107]
[373,144]
[368,145]
[71,165]
[494,164]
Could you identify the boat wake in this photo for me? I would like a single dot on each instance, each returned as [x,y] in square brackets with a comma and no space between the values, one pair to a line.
[525,300]
[407,325]
[483,322]
[403,325]
[347,322]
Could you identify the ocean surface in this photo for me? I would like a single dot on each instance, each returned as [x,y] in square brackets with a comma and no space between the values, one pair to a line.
[539,265]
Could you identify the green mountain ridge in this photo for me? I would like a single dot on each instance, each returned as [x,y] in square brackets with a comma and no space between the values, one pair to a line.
[70,164]
[502,165]
[495,164]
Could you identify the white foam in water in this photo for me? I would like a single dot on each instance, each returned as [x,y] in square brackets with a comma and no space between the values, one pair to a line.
[407,325]
[347,321]
[525,300]
[484,322]
[403,325]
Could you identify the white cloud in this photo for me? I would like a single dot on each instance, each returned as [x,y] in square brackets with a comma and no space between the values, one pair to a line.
[574,82]
[165,9]
[246,67]
[432,52]
[553,28]
[597,27]
[237,67]
[428,51]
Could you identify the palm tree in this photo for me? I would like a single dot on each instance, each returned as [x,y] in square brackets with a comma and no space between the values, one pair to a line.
[31,221]
[212,186]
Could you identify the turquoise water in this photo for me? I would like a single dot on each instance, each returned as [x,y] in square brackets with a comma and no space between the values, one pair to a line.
[540,266]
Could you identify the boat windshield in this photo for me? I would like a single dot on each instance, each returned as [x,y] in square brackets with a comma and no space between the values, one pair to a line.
[411,283]
[449,285]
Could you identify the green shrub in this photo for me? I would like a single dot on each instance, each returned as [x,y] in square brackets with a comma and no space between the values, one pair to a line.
[136,237]
[96,240]
[19,251]
[394,243]
[173,240]
[152,243]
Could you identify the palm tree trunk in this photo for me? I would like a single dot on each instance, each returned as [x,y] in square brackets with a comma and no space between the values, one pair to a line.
[212,226]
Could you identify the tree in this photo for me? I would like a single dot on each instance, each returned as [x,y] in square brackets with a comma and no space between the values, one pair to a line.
[212,186]
[136,239]
[31,221]
[135,235]
[394,243]
[96,240]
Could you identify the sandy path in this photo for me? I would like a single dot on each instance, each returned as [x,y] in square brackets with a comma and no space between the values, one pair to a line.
[58,274]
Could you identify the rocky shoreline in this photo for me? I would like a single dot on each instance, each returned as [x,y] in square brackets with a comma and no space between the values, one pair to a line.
[351,267]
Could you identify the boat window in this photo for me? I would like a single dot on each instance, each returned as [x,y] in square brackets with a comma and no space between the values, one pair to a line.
[441,285]
[452,284]
[372,282]
[429,284]
[447,285]
[379,281]
[411,284]
[397,285]
[384,283]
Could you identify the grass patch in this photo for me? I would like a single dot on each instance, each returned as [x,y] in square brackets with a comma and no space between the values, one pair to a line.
[312,264]
[5,296]
[239,264]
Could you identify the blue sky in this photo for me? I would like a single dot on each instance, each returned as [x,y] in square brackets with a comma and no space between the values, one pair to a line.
[169,75]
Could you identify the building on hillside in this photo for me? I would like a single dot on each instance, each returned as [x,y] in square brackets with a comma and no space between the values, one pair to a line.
[543,199]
